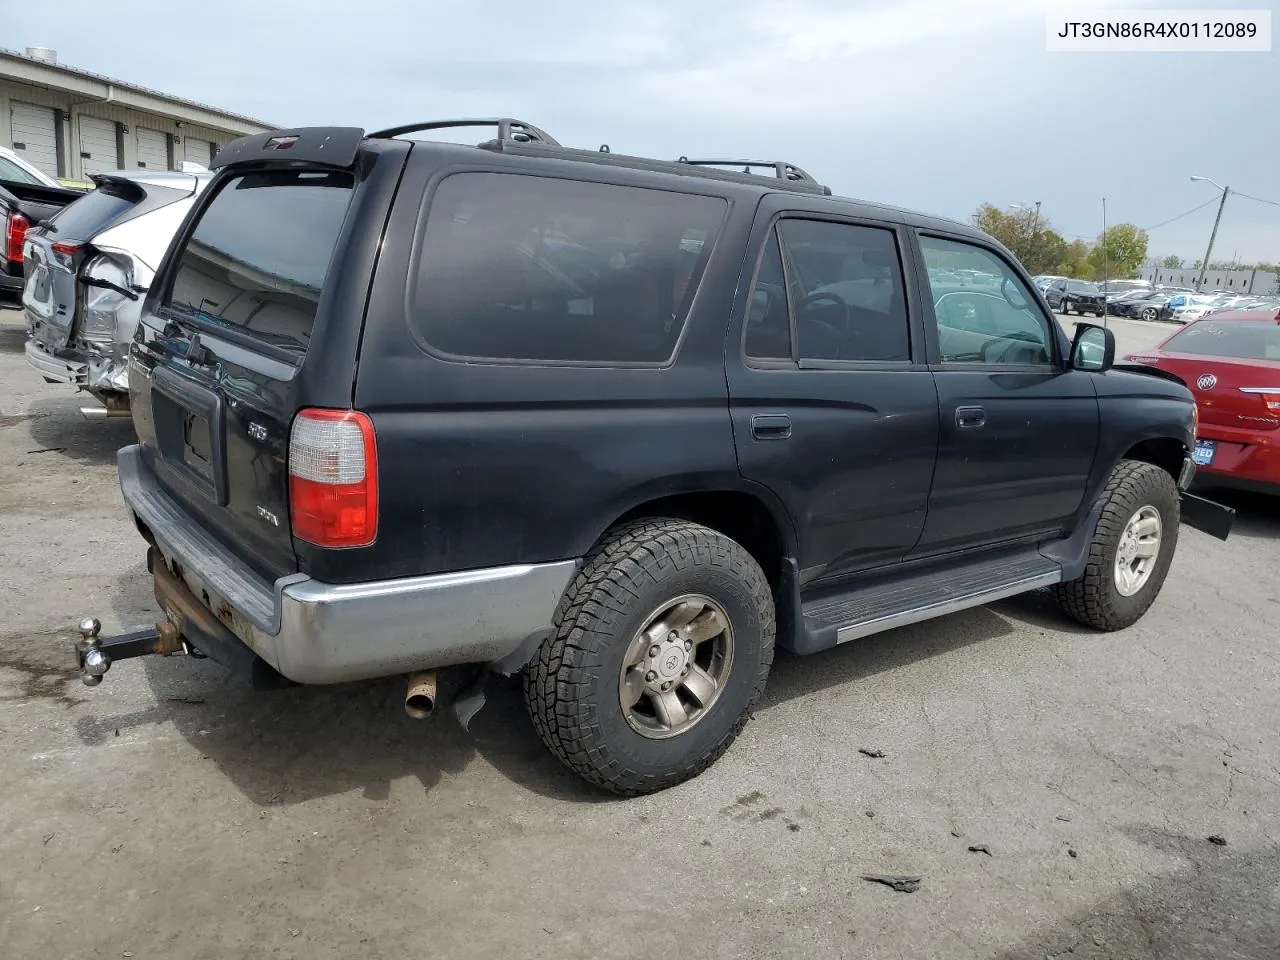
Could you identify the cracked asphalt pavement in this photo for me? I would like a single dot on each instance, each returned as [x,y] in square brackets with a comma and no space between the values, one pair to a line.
[173,813]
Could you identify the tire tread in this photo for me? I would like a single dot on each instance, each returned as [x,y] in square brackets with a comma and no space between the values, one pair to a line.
[603,592]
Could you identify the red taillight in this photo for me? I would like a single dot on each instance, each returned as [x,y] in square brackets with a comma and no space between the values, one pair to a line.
[15,232]
[1270,396]
[333,478]
[65,251]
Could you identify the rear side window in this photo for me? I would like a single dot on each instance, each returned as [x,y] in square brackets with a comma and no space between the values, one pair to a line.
[1237,339]
[522,268]
[85,218]
[258,257]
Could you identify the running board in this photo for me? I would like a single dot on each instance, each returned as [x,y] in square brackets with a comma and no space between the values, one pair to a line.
[872,607]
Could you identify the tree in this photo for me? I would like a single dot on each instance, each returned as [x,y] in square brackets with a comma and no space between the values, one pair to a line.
[1075,261]
[1026,233]
[1119,251]
[1171,262]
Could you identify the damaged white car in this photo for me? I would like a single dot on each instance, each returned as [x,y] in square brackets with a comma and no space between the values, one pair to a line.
[87,272]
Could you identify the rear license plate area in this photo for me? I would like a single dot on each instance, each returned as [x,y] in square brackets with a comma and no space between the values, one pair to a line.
[190,438]
[197,445]
[1203,452]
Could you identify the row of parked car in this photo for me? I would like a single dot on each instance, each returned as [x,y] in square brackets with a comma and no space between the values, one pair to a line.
[1144,301]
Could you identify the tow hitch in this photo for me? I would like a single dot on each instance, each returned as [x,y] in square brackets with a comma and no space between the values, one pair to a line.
[95,654]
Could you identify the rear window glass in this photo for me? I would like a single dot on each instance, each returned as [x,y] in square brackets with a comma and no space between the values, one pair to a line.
[1240,339]
[258,257]
[83,219]
[516,267]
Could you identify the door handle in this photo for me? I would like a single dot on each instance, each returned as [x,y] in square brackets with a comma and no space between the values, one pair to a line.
[967,418]
[771,426]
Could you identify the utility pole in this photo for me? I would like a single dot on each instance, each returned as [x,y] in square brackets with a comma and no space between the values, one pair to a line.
[1204,264]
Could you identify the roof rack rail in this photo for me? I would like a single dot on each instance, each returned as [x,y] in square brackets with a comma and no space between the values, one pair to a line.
[509,129]
[781,169]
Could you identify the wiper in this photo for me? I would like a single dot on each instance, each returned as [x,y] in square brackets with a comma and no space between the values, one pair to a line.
[132,293]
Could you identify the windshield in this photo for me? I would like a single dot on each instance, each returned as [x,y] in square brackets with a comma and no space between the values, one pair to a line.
[11,171]
[1079,286]
[1238,339]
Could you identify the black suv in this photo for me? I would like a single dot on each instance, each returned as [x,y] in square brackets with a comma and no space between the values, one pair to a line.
[1076,295]
[613,423]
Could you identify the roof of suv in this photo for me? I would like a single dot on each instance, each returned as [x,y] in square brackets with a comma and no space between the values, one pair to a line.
[337,146]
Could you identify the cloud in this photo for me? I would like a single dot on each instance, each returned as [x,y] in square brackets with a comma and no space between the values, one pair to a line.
[934,104]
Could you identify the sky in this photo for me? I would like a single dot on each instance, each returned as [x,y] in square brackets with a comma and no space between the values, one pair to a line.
[936,105]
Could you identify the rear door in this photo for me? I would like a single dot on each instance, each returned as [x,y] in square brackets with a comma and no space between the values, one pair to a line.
[35,135]
[833,407]
[197,150]
[256,313]
[56,252]
[153,149]
[99,146]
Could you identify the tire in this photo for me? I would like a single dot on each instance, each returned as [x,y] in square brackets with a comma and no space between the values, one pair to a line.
[1150,313]
[574,687]
[1136,492]
[1066,306]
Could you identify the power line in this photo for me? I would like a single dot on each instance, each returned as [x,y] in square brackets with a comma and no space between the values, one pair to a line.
[1187,214]
[1259,199]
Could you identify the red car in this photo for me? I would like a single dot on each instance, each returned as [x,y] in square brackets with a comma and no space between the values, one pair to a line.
[1231,362]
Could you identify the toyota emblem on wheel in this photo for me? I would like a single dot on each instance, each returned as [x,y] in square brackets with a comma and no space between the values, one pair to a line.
[1207,382]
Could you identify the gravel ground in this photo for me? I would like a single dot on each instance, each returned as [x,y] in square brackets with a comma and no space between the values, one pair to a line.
[172,813]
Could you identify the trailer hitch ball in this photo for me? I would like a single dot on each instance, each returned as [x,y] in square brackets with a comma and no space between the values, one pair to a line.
[94,661]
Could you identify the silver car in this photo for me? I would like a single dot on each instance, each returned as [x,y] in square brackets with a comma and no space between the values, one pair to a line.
[87,271]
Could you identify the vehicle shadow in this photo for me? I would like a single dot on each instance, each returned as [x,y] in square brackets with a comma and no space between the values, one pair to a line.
[291,746]
[796,676]
[1219,903]
[298,744]
[13,332]
[57,426]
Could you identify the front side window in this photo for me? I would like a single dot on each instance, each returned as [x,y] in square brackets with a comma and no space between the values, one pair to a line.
[996,322]
[523,268]
[258,257]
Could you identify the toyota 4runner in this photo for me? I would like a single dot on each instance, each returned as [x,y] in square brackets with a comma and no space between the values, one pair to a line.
[619,425]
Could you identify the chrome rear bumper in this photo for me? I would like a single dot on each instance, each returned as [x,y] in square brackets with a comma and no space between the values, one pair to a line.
[315,632]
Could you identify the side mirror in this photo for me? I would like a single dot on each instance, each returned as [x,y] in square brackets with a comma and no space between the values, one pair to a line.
[1094,348]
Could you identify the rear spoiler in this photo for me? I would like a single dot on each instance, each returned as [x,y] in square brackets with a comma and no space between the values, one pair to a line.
[325,146]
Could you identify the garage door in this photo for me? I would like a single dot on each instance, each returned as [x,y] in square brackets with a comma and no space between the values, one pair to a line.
[153,149]
[198,151]
[99,151]
[34,132]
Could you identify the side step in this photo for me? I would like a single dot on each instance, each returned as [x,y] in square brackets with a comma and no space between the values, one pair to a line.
[872,606]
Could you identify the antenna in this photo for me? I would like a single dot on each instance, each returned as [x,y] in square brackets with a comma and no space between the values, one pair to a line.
[1106,262]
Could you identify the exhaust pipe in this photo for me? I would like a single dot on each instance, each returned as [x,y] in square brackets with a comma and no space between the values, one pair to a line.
[420,695]
[103,413]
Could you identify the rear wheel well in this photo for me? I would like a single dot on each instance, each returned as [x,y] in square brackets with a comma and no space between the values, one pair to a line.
[1163,452]
[739,516]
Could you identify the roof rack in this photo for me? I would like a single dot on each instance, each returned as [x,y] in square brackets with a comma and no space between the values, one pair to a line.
[509,130]
[781,169]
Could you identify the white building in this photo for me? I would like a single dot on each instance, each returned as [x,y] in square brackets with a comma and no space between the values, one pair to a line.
[72,124]
[1253,281]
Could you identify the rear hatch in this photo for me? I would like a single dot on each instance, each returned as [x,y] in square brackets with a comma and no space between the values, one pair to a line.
[57,251]
[256,313]
[1233,368]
